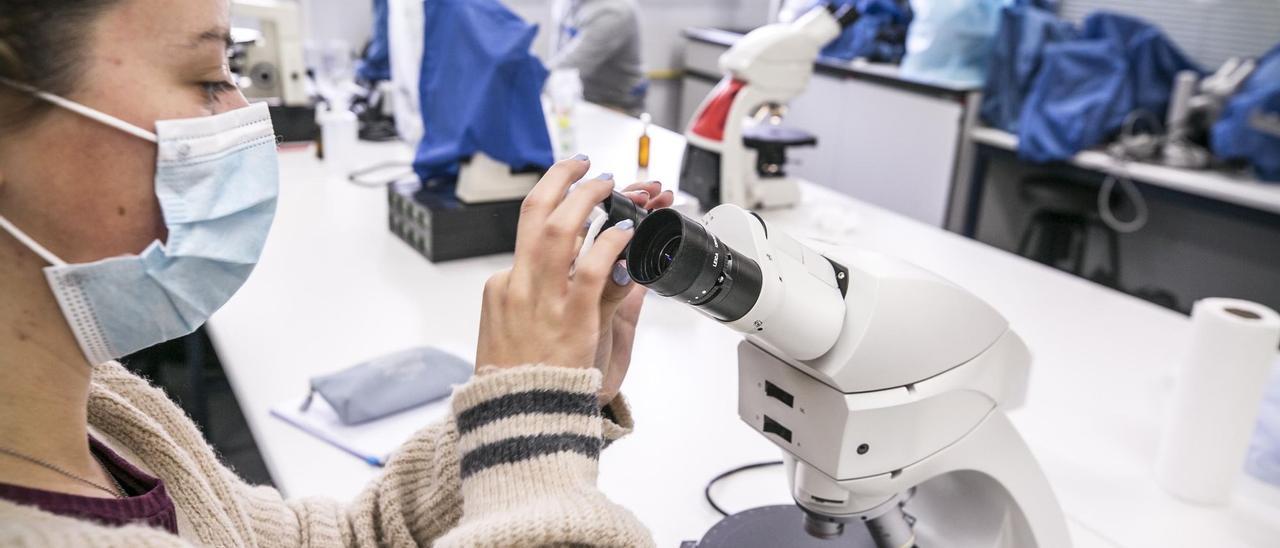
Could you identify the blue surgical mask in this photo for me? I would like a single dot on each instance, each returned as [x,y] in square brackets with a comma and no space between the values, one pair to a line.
[216,180]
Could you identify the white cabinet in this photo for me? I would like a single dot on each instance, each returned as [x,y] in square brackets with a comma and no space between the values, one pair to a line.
[880,144]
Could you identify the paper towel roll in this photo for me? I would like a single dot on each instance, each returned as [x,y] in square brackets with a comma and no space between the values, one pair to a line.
[1216,395]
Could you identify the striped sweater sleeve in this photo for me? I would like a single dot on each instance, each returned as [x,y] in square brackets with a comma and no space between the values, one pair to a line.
[529,440]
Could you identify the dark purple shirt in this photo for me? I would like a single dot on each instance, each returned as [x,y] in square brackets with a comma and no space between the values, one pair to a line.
[148,504]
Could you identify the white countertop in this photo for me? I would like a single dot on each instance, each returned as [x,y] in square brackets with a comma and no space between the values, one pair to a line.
[335,287]
[1241,189]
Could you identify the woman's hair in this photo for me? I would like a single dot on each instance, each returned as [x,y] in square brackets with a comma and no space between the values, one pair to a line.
[42,45]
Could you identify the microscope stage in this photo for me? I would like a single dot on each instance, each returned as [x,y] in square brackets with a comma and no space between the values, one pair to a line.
[776,527]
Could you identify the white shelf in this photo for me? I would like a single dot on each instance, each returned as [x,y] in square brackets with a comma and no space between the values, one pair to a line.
[1236,188]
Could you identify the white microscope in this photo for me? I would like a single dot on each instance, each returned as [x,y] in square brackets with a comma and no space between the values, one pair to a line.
[268,56]
[885,386]
[267,62]
[737,147]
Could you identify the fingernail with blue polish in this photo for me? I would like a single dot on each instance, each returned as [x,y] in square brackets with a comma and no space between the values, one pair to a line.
[605,176]
[620,276]
[580,158]
[625,224]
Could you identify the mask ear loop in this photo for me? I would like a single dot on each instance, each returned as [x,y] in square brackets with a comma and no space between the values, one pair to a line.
[100,117]
[31,244]
[82,110]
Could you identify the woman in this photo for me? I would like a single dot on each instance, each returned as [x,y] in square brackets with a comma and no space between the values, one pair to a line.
[601,40]
[119,130]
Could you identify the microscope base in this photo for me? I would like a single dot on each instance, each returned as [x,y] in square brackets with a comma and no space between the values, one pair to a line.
[775,526]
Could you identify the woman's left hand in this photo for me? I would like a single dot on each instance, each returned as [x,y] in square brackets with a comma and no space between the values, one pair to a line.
[618,330]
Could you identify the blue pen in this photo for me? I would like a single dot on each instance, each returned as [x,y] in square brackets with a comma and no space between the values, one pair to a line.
[370,460]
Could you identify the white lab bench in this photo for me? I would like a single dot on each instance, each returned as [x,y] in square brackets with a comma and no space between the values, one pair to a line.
[335,287]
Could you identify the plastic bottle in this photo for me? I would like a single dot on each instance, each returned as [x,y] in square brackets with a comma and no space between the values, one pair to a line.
[339,133]
[643,159]
[564,86]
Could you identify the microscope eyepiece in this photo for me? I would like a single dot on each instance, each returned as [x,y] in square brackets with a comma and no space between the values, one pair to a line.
[677,257]
[619,208]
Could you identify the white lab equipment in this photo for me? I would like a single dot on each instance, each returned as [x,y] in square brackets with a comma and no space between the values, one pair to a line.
[1196,105]
[737,147]
[885,385]
[1214,406]
[271,67]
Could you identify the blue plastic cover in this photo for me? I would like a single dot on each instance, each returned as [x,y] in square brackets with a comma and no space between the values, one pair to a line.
[878,35]
[376,64]
[1087,87]
[1154,60]
[1081,89]
[1015,62]
[1249,129]
[480,89]
[950,41]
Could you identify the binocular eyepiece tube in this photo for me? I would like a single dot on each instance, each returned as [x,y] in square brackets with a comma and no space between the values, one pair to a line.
[681,258]
[678,257]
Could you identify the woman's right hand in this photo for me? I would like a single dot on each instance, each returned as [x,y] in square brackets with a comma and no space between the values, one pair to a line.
[545,310]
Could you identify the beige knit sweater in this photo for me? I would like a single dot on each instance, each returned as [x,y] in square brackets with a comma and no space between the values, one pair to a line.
[515,466]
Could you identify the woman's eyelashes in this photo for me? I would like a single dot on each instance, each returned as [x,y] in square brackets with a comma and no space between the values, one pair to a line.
[214,89]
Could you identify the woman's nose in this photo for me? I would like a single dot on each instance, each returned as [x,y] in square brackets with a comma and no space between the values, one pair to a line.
[230,102]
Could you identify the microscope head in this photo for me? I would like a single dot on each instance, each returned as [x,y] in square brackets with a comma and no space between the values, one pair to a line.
[730,268]
[856,320]
[778,58]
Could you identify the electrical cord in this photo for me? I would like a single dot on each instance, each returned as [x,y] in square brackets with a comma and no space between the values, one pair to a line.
[360,177]
[707,491]
[1140,214]
[1128,132]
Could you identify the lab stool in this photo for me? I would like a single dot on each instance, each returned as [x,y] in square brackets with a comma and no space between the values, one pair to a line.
[1062,226]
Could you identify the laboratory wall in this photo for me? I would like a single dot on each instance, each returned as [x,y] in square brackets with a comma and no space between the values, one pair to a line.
[1210,31]
[350,21]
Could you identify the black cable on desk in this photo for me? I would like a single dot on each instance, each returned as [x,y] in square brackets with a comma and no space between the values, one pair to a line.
[743,468]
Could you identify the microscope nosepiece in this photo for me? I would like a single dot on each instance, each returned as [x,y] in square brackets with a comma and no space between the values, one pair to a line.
[823,528]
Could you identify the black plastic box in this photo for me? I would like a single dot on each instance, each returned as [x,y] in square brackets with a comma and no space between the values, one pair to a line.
[433,221]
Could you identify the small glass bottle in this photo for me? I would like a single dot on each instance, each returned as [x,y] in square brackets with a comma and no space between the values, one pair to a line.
[644,141]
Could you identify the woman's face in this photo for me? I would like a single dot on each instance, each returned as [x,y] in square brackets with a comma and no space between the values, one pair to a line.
[86,190]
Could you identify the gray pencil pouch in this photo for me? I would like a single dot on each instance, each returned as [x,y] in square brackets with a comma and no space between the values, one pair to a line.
[390,384]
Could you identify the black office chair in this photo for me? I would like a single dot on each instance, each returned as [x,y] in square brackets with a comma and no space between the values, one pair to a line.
[1062,226]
